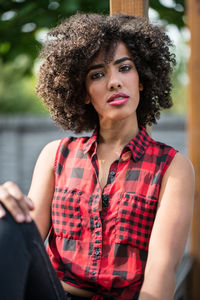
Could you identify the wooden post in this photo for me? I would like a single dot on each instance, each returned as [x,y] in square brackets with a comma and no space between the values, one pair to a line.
[133,8]
[129,7]
[193,11]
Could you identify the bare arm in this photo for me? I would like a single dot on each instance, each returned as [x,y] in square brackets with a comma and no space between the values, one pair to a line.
[42,188]
[170,231]
[40,194]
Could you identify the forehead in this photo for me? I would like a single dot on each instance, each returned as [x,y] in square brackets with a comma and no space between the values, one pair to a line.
[119,51]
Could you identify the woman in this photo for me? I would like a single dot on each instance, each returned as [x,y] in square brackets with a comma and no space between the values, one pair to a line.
[116,205]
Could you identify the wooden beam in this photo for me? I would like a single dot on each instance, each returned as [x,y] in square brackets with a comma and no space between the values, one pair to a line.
[129,7]
[193,12]
[133,8]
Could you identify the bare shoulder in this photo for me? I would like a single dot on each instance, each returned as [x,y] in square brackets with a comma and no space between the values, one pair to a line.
[181,167]
[48,153]
[51,147]
[178,181]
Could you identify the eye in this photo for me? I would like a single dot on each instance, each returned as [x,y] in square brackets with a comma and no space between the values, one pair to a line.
[125,68]
[96,75]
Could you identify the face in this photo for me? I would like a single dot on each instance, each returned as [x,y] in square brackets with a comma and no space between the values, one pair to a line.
[114,88]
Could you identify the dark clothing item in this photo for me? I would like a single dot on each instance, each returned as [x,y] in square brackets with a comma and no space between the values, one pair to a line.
[107,253]
[25,269]
[72,297]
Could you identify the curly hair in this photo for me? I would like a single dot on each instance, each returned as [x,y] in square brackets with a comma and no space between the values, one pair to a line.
[73,45]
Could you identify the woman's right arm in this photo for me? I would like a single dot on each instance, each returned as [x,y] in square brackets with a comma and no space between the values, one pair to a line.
[38,203]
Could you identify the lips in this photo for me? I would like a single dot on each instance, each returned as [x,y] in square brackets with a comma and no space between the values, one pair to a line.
[118,99]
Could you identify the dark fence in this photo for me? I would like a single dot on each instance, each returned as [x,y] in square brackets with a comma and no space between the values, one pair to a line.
[22,138]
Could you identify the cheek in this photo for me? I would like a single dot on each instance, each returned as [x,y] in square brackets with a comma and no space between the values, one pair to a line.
[95,92]
[96,104]
[91,90]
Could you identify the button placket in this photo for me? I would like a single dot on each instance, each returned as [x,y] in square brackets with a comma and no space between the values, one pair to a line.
[95,263]
[96,236]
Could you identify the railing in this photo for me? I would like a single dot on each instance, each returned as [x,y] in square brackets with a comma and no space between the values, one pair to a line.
[181,292]
[23,137]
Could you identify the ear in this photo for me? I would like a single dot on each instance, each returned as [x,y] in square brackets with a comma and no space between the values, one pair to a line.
[87,100]
[141,88]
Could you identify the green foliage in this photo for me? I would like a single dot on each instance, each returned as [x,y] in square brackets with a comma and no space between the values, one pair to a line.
[179,96]
[171,15]
[20,20]
[179,92]
[20,23]
[16,91]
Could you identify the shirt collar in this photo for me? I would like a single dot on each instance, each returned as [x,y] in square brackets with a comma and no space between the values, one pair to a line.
[137,146]
[92,141]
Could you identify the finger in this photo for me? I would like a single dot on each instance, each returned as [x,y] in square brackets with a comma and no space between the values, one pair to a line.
[11,204]
[13,189]
[2,211]
[24,202]
[30,203]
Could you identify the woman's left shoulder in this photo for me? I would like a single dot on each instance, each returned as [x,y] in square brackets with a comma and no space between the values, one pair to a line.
[181,170]
[181,162]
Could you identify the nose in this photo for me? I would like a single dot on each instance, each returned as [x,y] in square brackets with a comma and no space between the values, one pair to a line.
[114,82]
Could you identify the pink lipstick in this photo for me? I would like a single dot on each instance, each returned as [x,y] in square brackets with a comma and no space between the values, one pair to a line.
[118,99]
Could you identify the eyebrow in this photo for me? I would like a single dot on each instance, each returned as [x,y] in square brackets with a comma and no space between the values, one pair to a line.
[116,62]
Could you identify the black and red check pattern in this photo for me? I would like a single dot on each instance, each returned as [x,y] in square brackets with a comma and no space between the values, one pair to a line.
[105,253]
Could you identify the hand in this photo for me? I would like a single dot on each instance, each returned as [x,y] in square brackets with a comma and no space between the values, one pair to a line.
[18,204]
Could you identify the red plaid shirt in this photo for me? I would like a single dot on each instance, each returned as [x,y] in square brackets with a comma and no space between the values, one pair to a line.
[105,254]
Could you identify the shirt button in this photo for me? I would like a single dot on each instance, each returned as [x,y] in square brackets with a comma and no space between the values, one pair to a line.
[112,173]
[96,252]
[95,217]
[93,273]
[93,278]
[126,156]
[98,224]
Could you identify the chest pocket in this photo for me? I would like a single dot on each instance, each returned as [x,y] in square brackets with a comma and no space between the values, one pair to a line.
[134,220]
[66,217]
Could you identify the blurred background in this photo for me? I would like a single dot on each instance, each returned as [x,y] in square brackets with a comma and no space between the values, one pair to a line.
[25,126]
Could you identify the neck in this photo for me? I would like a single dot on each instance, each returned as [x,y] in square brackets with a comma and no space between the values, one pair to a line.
[117,133]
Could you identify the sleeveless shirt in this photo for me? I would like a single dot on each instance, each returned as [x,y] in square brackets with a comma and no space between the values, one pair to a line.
[105,254]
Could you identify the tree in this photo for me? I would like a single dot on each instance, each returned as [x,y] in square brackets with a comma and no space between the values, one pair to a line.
[21,20]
